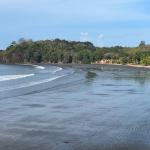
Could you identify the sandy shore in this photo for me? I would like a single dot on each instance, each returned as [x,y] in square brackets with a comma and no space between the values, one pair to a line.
[84,110]
[104,66]
[94,66]
[138,66]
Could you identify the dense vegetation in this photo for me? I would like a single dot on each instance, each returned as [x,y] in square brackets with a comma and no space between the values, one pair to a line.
[62,51]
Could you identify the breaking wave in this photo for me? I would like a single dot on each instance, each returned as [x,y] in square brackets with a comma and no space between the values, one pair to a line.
[33,83]
[38,67]
[14,77]
[58,69]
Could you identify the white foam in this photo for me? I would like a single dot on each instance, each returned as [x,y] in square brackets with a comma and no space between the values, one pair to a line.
[14,77]
[33,83]
[58,69]
[44,81]
[38,67]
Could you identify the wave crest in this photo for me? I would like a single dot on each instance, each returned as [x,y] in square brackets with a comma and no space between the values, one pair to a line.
[38,67]
[14,77]
[33,83]
[58,69]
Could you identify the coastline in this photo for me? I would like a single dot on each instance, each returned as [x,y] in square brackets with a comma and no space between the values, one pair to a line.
[77,112]
[103,66]
[138,66]
[87,66]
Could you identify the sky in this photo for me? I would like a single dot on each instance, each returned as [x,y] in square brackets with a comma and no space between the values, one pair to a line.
[103,22]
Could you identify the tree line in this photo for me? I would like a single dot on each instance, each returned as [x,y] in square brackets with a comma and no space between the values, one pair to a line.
[62,51]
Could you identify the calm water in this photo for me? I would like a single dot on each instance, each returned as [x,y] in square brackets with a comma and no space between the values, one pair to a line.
[53,108]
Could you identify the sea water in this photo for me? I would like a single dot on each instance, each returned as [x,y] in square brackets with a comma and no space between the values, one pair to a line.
[51,108]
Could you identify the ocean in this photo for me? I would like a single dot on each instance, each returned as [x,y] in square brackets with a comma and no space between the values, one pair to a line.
[47,107]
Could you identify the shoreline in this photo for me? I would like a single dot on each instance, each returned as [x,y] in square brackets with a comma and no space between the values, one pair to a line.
[103,66]
[138,66]
[87,66]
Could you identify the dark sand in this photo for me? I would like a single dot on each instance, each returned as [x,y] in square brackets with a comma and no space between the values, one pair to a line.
[104,109]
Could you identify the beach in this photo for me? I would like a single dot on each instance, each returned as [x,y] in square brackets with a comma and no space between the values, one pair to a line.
[74,107]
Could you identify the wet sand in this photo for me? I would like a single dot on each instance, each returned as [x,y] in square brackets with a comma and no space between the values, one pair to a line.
[104,109]
[104,66]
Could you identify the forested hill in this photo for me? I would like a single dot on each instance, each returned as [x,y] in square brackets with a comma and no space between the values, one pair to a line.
[62,51]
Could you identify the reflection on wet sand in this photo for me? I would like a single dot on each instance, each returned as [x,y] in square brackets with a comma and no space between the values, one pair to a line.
[92,111]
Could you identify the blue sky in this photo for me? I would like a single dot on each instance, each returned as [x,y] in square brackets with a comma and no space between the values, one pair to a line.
[103,22]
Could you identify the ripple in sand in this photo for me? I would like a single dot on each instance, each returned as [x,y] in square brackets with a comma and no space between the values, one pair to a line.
[35,105]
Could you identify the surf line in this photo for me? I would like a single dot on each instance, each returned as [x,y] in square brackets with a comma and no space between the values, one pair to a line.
[58,69]
[33,83]
[14,77]
[38,67]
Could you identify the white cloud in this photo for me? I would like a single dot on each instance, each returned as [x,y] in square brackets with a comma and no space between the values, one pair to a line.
[69,17]
[84,36]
